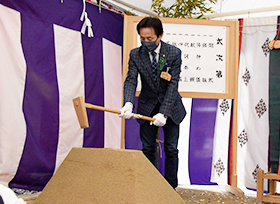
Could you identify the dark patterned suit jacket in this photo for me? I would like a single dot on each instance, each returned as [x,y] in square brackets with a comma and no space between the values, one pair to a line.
[152,92]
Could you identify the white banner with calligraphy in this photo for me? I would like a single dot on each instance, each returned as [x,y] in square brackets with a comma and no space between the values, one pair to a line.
[203,56]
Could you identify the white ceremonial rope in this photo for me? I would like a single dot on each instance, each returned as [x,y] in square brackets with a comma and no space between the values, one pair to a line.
[87,22]
[100,6]
[138,116]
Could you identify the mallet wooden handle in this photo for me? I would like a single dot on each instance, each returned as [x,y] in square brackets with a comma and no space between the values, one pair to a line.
[88,105]
[138,116]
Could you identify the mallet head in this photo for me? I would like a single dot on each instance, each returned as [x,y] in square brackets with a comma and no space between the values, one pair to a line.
[80,108]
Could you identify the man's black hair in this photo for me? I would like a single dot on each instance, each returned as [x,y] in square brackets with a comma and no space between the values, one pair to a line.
[151,22]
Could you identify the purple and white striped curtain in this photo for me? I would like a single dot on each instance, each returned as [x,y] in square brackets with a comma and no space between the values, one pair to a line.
[45,63]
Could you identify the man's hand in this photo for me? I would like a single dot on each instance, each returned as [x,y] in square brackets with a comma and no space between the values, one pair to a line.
[160,120]
[126,110]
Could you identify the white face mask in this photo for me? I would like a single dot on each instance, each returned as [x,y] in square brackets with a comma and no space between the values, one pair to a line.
[149,45]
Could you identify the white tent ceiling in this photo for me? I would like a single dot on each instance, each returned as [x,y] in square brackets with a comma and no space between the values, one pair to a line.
[224,9]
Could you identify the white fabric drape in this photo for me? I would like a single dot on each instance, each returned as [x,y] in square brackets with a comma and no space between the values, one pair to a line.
[12,83]
[112,93]
[70,78]
[253,126]
[183,145]
[219,173]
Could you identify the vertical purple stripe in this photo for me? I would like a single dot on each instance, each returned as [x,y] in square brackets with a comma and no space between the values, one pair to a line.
[40,106]
[94,88]
[202,128]
[105,25]
[132,132]
[161,153]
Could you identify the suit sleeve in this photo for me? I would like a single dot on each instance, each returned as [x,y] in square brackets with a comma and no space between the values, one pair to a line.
[172,95]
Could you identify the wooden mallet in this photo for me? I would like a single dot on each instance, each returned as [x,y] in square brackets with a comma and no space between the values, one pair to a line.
[80,108]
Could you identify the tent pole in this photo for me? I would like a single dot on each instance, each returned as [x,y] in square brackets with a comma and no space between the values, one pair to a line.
[135,8]
[233,13]
[233,186]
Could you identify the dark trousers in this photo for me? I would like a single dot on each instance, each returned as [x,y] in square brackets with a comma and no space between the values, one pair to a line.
[148,135]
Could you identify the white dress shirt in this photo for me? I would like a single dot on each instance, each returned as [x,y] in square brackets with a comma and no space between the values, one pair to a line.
[156,51]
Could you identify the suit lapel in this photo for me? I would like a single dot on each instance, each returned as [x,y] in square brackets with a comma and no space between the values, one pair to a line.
[145,58]
[162,55]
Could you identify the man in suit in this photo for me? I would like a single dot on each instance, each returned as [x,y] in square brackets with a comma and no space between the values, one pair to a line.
[159,97]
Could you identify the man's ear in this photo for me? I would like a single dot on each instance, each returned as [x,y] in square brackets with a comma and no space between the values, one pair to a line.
[160,36]
[159,39]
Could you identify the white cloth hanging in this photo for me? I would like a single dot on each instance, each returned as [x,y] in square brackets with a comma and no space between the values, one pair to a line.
[87,23]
